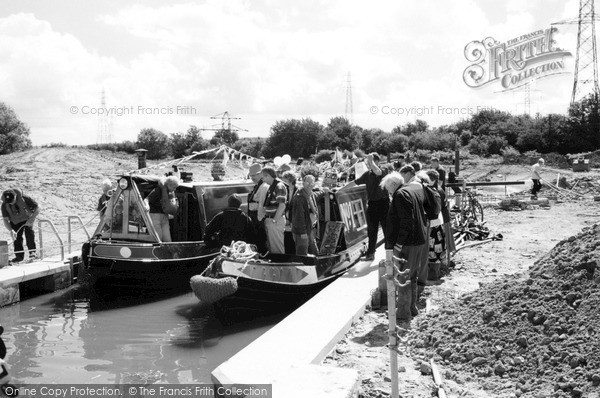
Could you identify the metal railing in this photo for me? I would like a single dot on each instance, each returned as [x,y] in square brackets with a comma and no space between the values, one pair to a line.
[41,250]
[69,231]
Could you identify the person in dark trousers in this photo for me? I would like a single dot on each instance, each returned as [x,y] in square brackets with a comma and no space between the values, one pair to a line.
[19,212]
[304,215]
[536,177]
[230,225]
[406,230]
[289,179]
[378,202]
[435,165]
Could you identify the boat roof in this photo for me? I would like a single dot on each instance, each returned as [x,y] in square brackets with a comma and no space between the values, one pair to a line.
[149,178]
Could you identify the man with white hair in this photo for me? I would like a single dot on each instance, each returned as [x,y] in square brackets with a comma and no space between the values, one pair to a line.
[106,194]
[536,177]
[406,228]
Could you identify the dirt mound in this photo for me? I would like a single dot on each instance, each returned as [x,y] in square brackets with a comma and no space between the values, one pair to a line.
[538,336]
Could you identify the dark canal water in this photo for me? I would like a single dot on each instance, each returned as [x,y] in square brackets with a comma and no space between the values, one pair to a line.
[74,336]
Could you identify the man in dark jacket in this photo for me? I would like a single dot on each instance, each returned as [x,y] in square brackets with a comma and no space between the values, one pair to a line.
[378,201]
[19,212]
[232,224]
[304,213]
[406,229]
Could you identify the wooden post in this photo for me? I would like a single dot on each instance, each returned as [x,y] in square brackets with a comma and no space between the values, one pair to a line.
[382,284]
[464,196]
[457,157]
[391,298]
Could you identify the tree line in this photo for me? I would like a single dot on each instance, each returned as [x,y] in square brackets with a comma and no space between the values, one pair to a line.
[485,133]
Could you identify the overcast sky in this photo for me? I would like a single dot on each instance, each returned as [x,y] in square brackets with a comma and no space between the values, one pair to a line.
[261,61]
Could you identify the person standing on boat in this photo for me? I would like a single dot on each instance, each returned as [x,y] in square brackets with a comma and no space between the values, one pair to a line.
[289,179]
[274,204]
[304,215]
[256,209]
[161,203]
[19,212]
[378,201]
[106,194]
[406,229]
[230,225]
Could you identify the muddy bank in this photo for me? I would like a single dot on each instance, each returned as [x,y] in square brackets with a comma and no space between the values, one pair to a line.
[529,236]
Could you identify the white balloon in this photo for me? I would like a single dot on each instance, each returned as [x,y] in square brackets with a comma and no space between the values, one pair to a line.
[277,161]
[286,159]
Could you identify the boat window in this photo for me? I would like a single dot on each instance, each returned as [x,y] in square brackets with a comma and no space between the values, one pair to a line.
[124,217]
[135,222]
[358,213]
[113,217]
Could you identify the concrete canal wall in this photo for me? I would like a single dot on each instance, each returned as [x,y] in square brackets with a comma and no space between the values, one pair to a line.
[288,356]
[41,276]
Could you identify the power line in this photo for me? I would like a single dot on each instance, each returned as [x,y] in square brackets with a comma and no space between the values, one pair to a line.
[104,123]
[586,67]
[349,112]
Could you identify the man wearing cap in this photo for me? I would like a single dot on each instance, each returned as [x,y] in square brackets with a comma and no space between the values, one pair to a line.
[275,204]
[536,177]
[256,209]
[19,212]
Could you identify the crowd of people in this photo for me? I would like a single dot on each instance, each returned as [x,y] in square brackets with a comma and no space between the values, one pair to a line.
[284,218]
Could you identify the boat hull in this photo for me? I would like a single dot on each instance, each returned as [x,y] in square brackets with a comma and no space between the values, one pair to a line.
[159,265]
[275,285]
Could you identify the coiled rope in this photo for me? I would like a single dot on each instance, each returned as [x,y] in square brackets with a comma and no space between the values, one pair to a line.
[210,289]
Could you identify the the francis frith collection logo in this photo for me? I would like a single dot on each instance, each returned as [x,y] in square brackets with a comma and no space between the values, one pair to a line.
[516,62]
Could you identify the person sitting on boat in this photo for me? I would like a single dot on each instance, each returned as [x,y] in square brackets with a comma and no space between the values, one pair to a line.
[256,209]
[274,205]
[230,225]
[106,194]
[161,202]
[304,214]
[289,179]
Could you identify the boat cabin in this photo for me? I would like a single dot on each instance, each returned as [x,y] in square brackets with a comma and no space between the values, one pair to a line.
[127,219]
[342,213]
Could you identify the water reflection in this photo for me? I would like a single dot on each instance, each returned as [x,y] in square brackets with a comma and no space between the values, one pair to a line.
[77,336]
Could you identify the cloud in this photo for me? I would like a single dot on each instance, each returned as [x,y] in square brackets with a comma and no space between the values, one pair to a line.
[259,59]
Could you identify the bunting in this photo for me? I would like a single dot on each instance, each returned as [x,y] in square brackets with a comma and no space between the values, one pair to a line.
[228,154]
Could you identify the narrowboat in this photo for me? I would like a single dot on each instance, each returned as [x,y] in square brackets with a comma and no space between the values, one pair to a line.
[283,282]
[125,249]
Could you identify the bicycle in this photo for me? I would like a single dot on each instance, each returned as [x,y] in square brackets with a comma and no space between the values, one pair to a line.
[470,210]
